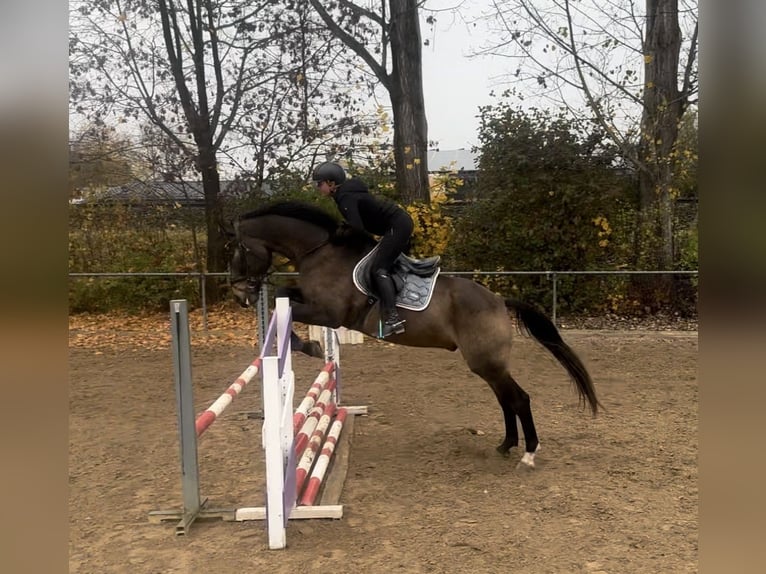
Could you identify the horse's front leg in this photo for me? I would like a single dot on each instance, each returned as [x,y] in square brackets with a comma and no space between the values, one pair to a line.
[304,313]
[306,346]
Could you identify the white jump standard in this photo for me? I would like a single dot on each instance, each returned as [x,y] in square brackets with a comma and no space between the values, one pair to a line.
[287,467]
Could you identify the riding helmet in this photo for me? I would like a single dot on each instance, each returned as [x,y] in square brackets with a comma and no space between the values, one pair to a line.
[329,171]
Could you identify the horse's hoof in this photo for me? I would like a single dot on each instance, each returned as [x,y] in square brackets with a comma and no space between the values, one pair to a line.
[313,349]
[504,450]
[527,461]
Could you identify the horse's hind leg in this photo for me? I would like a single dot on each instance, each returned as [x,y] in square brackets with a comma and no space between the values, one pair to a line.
[514,401]
[509,416]
[524,411]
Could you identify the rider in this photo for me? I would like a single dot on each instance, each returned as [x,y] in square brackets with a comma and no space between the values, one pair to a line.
[377,216]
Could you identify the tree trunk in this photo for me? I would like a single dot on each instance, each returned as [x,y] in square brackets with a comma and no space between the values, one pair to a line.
[211,183]
[662,109]
[406,93]
[404,84]
[216,242]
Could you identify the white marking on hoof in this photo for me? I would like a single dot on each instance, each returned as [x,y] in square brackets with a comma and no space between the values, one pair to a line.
[528,460]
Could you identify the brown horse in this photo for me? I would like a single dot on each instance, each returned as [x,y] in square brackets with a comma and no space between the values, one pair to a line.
[462,314]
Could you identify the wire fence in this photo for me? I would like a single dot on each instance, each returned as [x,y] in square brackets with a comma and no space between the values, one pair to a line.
[552,276]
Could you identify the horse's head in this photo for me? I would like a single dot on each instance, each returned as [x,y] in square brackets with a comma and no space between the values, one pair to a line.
[247,268]
[295,230]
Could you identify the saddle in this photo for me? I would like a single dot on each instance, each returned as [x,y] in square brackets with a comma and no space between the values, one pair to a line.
[414,279]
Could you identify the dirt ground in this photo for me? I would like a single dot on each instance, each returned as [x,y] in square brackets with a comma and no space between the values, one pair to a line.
[425,490]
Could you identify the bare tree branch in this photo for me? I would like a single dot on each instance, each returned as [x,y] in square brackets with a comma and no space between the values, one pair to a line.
[381,20]
[594,105]
[688,88]
[353,43]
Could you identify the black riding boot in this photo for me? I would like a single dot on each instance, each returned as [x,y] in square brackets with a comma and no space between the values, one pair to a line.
[391,323]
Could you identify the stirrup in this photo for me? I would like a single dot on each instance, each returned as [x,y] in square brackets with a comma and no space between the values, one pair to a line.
[387,329]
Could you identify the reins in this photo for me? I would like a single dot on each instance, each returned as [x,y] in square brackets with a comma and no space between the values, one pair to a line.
[315,248]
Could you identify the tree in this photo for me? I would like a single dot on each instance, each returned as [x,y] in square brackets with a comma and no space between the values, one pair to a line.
[394,32]
[320,110]
[200,71]
[550,198]
[625,68]
[185,66]
[686,157]
[98,158]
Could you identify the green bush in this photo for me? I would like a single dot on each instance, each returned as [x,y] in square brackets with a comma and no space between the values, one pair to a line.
[125,239]
[103,294]
[551,200]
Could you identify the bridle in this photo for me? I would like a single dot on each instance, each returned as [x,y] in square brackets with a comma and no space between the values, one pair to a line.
[238,270]
[252,283]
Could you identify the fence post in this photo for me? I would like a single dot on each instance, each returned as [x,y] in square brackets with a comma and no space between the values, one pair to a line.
[203,296]
[262,315]
[179,324]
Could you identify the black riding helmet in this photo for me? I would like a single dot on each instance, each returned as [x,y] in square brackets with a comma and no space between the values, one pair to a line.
[329,171]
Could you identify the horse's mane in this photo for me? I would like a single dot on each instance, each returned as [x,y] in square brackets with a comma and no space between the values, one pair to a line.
[296,210]
[317,216]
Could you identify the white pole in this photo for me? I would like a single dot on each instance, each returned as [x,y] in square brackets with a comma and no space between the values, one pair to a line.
[275,478]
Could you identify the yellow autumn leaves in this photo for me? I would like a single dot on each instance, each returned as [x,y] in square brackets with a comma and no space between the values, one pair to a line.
[604,230]
[433,227]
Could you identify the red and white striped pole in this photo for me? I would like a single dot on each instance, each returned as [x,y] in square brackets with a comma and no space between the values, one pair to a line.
[206,418]
[302,438]
[312,449]
[311,396]
[312,488]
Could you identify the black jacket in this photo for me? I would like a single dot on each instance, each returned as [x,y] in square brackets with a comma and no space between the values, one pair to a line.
[363,211]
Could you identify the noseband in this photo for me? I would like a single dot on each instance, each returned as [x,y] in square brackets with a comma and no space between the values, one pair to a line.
[239,270]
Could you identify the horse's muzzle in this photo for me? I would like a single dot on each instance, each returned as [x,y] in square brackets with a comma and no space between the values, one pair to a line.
[245,293]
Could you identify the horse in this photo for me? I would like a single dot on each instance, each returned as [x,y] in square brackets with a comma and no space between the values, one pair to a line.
[462,314]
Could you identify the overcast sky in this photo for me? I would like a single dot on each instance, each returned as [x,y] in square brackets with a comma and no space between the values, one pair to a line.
[455,85]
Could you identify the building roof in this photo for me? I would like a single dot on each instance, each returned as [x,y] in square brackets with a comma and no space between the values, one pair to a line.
[453,160]
[161,192]
[191,192]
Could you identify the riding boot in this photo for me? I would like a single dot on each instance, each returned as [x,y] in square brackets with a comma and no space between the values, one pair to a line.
[391,323]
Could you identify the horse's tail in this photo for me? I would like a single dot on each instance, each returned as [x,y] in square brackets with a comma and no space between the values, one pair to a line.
[541,328]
